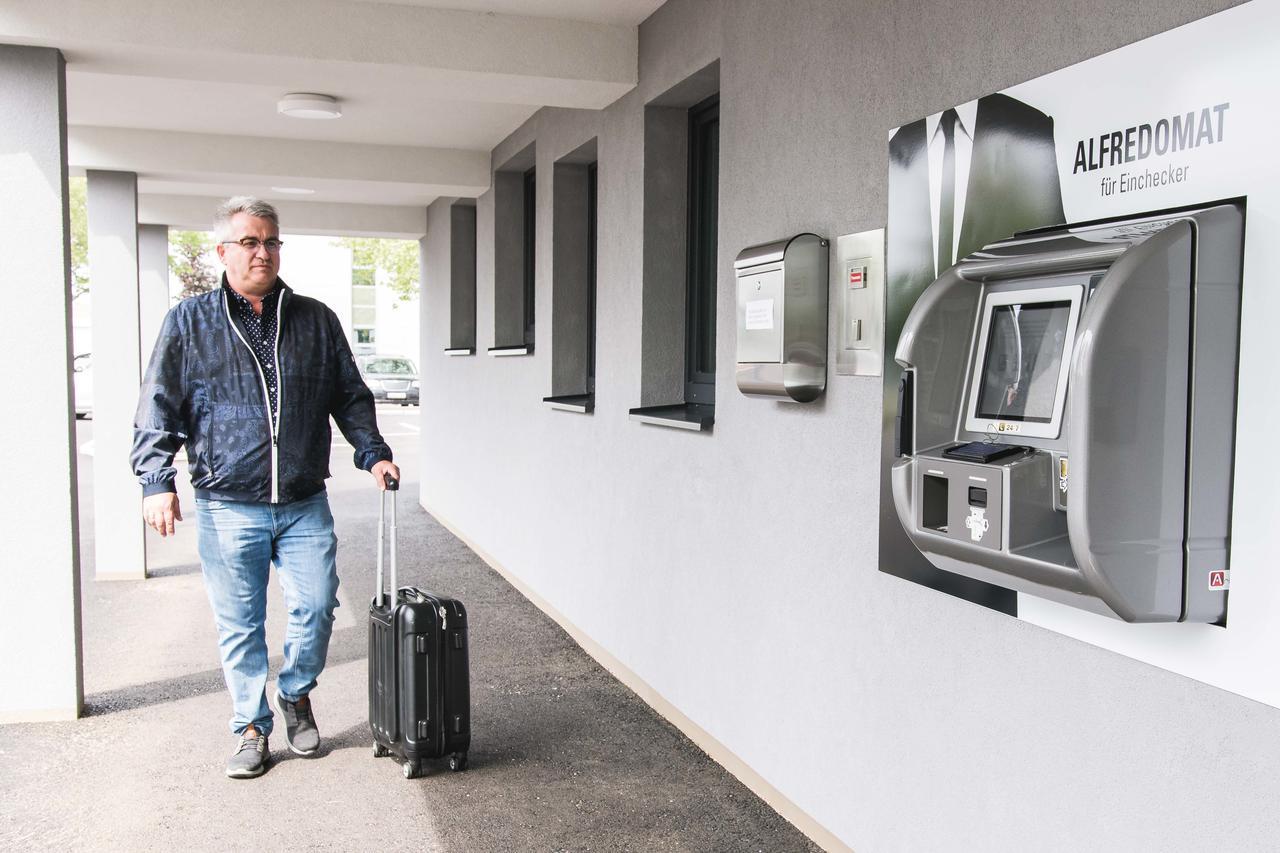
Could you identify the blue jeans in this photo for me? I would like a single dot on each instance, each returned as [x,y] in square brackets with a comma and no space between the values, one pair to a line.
[238,542]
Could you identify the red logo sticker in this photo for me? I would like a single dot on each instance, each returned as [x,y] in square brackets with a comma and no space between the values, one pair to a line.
[855,276]
[1218,580]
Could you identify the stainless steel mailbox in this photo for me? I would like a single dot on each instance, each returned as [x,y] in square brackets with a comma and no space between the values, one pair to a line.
[782,318]
[1067,415]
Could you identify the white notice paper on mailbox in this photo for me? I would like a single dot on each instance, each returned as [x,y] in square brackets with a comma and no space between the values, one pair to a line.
[760,314]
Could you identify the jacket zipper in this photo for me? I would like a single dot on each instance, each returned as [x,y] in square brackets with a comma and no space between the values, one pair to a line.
[272,423]
[275,437]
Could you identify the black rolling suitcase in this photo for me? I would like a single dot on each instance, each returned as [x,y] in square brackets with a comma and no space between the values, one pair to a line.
[419,675]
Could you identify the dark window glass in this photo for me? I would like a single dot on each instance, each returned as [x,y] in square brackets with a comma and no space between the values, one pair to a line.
[591,277]
[530,214]
[704,181]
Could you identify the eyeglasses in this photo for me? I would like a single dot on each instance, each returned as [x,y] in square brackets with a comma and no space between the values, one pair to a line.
[251,244]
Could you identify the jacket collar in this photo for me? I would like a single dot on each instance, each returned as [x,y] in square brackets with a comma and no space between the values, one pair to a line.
[282,290]
[280,287]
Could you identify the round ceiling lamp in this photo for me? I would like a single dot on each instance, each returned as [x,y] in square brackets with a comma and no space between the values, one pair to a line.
[309,105]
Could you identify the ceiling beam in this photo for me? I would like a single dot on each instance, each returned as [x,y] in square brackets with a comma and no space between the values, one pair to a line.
[306,217]
[411,175]
[320,43]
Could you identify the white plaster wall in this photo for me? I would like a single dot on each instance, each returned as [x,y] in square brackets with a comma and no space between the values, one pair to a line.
[82,323]
[397,322]
[736,573]
[315,267]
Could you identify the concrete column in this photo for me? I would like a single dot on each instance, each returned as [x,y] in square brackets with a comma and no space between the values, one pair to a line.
[422,303]
[40,668]
[119,543]
[153,284]
[425,339]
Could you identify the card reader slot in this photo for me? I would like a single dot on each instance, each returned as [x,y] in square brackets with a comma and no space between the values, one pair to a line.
[903,443]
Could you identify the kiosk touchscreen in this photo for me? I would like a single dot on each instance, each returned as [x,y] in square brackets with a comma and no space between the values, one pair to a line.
[1021,378]
[1067,414]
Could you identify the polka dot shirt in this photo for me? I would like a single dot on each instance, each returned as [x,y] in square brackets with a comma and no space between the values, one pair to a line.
[260,331]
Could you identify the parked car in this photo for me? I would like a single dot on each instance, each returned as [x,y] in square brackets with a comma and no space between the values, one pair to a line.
[391,378]
[82,384]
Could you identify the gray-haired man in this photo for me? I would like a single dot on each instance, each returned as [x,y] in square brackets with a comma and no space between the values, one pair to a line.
[247,377]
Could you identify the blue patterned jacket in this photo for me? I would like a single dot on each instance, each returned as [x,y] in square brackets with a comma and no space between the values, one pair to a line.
[204,389]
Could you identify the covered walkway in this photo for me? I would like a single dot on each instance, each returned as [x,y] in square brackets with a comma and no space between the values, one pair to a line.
[563,757]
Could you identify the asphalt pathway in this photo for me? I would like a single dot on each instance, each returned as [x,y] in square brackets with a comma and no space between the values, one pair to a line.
[563,757]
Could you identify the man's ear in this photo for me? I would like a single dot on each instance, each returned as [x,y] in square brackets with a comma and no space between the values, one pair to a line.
[221,249]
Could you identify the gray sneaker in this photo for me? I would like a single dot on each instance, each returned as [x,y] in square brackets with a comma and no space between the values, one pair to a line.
[300,732]
[251,755]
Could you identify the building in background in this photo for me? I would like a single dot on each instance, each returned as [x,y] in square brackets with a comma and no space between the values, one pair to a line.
[364,308]
[375,318]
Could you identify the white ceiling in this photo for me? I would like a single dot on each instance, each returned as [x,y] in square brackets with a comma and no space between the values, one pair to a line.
[369,114]
[184,93]
[629,12]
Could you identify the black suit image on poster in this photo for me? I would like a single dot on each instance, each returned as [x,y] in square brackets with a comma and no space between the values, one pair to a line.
[1012,186]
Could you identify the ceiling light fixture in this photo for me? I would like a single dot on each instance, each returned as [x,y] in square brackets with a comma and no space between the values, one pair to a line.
[294,190]
[309,105]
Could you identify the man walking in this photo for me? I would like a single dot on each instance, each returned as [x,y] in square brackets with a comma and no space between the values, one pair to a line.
[246,377]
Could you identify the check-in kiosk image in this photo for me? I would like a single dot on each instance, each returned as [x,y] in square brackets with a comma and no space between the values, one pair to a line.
[1067,411]
[782,318]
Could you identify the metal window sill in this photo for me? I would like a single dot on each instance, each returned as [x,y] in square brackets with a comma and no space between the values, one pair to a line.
[460,351]
[518,349]
[583,404]
[696,417]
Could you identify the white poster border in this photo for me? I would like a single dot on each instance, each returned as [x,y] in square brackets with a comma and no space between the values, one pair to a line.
[1228,58]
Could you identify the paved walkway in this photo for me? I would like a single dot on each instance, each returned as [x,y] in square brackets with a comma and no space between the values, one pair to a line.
[563,756]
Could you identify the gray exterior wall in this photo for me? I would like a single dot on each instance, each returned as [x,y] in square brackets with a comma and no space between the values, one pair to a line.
[736,573]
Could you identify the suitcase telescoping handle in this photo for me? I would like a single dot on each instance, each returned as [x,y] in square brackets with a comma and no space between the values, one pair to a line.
[393,486]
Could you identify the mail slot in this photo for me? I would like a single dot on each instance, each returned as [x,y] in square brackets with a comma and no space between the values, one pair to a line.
[782,318]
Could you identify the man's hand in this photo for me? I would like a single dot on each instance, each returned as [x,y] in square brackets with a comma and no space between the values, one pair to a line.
[161,511]
[380,470]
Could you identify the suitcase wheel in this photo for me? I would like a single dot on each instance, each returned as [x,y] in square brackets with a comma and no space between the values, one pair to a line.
[458,761]
[411,769]
[380,751]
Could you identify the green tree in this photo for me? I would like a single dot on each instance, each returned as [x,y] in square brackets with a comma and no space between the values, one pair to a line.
[77,190]
[189,260]
[396,259]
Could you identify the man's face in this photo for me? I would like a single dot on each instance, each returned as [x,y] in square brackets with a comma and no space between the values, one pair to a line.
[252,271]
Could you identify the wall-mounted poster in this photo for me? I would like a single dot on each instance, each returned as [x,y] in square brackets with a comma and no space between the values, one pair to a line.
[1179,122]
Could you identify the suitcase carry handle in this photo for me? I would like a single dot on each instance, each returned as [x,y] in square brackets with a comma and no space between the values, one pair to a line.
[393,486]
